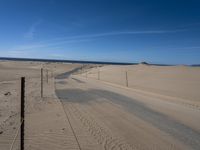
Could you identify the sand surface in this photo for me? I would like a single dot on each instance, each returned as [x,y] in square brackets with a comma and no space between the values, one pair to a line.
[178,82]
[45,123]
[92,108]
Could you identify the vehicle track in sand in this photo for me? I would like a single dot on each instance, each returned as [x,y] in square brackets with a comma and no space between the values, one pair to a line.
[93,129]
[160,131]
[102,135]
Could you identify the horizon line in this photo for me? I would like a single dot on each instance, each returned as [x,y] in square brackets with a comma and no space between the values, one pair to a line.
[89,61]
[66,60]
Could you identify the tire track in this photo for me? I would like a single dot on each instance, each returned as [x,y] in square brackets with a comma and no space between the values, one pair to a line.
[71,126]
[102,135]
[76,98]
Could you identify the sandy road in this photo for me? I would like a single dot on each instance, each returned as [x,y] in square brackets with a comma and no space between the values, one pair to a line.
[107,117]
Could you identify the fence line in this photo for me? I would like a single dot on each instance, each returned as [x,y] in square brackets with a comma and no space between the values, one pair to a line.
[19,135]
[97,73]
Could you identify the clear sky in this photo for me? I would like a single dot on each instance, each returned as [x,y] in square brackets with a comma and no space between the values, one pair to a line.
[157,31]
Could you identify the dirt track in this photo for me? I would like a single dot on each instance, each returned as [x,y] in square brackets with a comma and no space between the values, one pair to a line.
[107,117]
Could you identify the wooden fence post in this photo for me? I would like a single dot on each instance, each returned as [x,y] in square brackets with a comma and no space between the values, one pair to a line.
[47,76]
[22,112]
[98,75]
[52,74]
[126,79]
[41,82]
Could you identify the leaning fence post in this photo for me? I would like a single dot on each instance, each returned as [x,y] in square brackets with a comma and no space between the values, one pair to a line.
[41,82]
[22,112]
[126,79]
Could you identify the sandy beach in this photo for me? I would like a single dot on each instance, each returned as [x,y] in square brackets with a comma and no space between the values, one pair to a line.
[111,107]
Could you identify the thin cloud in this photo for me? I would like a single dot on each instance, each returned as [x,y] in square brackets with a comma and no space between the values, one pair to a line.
[130,33]
[32,30]
[19,53]
[117,33]
[178,48]
[193,47]
[22,48]
[53,43]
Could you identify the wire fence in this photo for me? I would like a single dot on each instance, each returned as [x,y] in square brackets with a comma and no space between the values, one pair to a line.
[9,114]
[12,116]
[118,77]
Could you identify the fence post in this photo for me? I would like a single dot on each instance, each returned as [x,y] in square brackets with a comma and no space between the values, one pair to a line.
[126,79]
[98,75]
[41,82]
[82,69]
[52,74]
[22,112]
[47,75]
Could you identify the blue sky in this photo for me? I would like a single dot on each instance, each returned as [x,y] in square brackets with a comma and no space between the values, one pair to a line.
[157,31]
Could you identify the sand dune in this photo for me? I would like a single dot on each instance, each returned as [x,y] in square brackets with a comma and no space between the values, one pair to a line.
[176,81]
[92,108]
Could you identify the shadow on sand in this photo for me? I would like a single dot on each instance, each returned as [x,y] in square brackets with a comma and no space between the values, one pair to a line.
[170,126]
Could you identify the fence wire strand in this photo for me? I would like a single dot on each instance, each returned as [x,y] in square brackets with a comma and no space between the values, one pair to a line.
[15,137]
